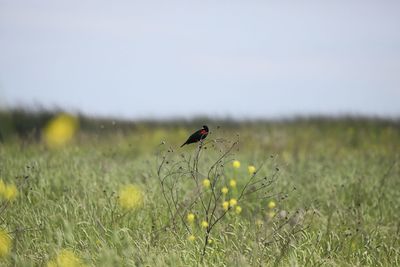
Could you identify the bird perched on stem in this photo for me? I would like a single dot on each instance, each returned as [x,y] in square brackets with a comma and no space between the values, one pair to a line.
[197,136]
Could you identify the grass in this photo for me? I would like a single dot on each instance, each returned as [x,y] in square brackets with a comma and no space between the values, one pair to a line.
[337,197]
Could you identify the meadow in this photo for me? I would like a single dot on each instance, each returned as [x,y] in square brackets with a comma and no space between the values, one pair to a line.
[330,195]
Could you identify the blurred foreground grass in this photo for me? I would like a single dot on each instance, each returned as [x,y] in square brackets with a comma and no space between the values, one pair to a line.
[343,174]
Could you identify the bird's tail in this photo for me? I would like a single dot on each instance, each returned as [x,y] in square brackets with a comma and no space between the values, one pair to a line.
[183,144]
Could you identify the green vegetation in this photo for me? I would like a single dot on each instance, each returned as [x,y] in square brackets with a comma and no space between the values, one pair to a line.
[335,200]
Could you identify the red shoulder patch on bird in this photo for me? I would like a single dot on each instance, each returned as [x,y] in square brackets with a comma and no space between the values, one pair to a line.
[202,132]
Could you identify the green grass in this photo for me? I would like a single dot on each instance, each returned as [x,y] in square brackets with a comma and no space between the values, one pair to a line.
[342,177]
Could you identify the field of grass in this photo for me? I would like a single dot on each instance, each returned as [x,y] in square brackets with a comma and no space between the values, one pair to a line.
[331,198]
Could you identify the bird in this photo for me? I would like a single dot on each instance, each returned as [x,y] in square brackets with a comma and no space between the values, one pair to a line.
[197,136]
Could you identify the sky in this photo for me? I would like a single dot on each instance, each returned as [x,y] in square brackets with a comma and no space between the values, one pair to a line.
[237,59]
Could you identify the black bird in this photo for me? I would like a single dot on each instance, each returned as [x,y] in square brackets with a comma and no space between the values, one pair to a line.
[197,136]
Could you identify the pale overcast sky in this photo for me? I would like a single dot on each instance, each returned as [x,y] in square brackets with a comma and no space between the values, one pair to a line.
[243,59]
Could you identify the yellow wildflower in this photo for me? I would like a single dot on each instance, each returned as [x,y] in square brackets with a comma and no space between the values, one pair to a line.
[60,130]
[225,205]
[232,183]
[232,202]
[10,193]
[5,244]
[224,190]
[251,169]
[236,164]
[271,214]
[238,209]
[130,197]
[271,204]
[191,238]
[66,258]
[210,241]
[190,217]
[206,183]
[204,224]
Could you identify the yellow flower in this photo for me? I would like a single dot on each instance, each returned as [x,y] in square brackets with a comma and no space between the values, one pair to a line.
[206,183]
[10,192]
[236,164]
[225,205]
[191,238]
[232,183]
[190,217]
[204,224]
[5,244]
[271,214]
[130,197]
[210,241]
[60,130]
[271,204]
[232,202]
[66,258]
[238,209]
[224,190]
[251,169]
